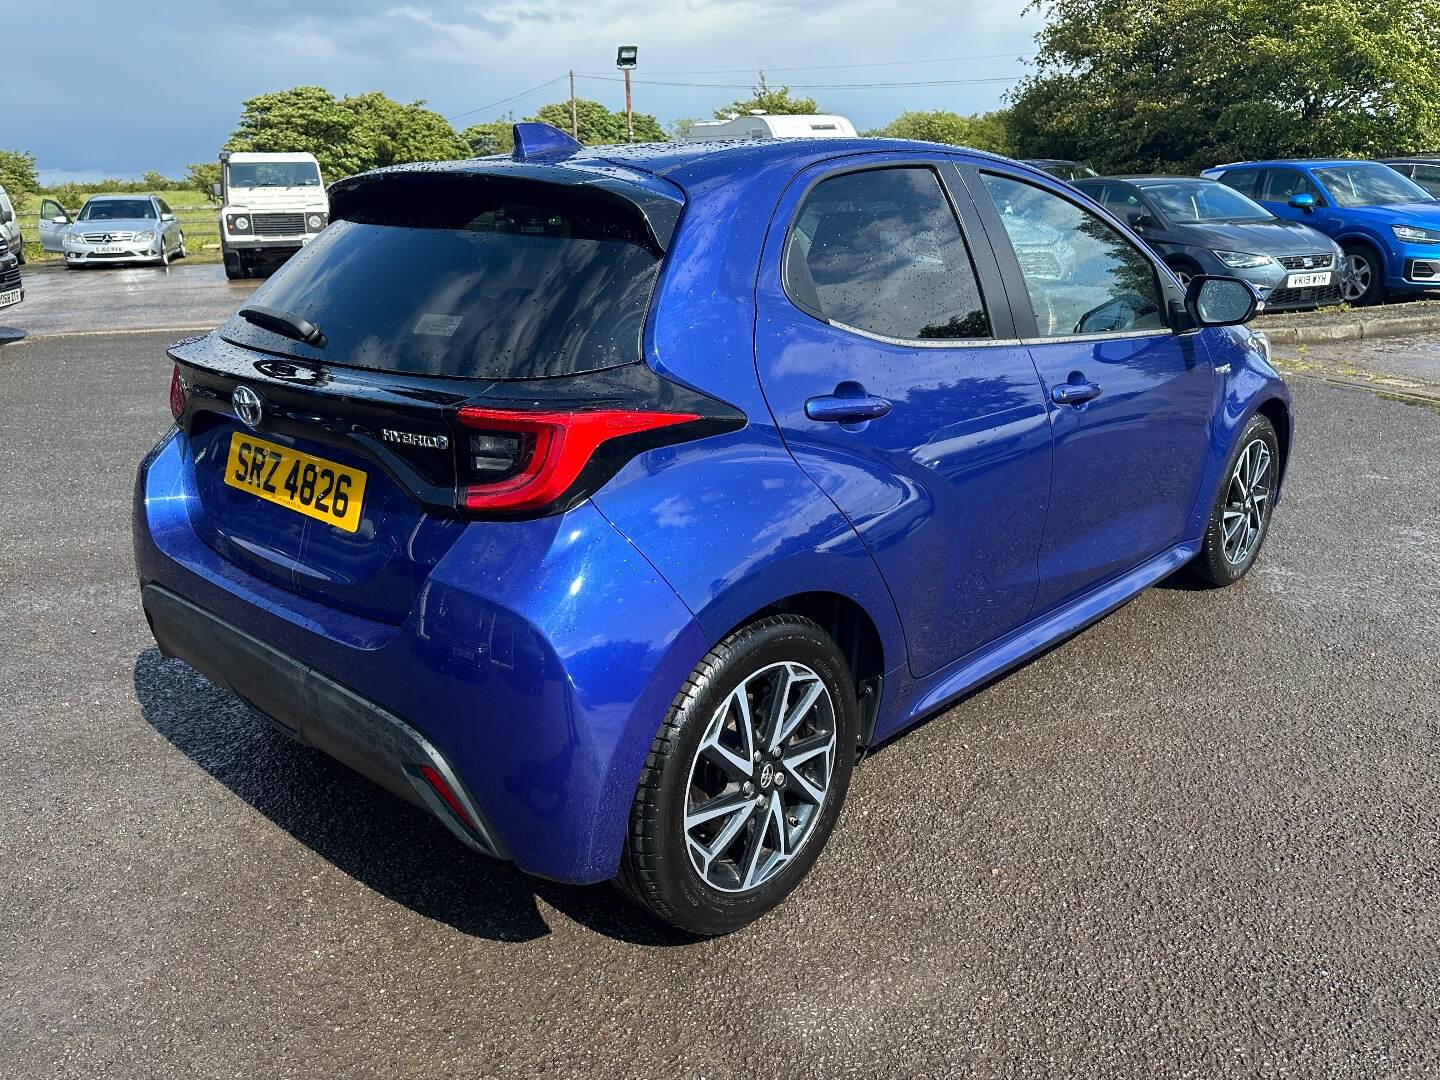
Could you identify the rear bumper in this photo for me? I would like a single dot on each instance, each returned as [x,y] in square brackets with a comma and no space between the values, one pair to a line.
[316,710]
[536,663]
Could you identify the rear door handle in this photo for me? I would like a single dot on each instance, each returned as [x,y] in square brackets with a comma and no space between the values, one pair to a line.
[1075,393]
[846,410]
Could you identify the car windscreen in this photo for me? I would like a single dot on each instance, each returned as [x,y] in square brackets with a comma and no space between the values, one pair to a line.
[1368,184]
[507,282]
[1191,202]
[117,210]
[274,174]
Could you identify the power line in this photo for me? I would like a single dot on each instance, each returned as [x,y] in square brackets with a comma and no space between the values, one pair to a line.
[813,86]
[506,100]
[841,67]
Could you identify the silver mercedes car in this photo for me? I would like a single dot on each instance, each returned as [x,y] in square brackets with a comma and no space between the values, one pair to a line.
[113,229]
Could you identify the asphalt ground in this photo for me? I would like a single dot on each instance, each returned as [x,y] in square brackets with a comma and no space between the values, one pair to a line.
[1198,840]
[99,299]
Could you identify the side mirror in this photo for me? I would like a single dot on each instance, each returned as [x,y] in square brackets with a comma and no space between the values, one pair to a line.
[60,220]
[1303,201]
[215,189]
[1220,301]
[167,217]
[1137,219]
[6,217]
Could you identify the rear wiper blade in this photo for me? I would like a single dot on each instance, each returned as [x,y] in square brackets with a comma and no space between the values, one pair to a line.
[284,323]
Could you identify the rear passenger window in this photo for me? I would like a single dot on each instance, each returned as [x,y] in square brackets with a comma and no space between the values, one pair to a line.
[1284,184]
[1082,275]
[881,251]
[1242,180]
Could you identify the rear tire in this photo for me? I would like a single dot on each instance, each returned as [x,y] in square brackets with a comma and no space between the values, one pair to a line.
[1241,516]
[725,826]
[1366,285]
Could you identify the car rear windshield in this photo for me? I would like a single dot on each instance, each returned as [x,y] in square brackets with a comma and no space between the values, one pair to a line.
[491,281]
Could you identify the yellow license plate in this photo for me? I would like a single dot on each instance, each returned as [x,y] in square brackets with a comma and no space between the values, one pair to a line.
[308,485]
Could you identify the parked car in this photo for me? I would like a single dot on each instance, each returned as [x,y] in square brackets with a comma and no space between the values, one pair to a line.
[1425,171]
[113,229]
[12,289]
[11,239]
[271,206]
[1062,169]
[1387,225]
[611,534]
[1203,227]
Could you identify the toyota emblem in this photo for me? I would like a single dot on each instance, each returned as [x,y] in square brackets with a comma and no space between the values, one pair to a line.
[248,406]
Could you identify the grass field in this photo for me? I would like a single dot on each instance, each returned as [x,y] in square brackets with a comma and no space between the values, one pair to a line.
[197,216]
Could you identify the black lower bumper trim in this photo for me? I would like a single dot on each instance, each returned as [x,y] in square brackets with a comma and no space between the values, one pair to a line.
[315,710]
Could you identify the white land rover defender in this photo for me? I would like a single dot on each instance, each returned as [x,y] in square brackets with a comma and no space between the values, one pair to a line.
[272,205]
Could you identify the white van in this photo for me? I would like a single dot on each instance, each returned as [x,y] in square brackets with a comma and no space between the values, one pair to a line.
[757,125]
[11,242]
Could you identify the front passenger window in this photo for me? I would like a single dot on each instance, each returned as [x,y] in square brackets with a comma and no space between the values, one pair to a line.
[1082,276]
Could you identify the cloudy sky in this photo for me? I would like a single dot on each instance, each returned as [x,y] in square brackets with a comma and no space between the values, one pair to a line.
[154,84]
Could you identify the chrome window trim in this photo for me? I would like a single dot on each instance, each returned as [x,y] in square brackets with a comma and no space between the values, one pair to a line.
[912,343]
[1115,335]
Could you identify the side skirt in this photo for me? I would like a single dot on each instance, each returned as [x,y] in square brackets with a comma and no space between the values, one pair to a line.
[965,674]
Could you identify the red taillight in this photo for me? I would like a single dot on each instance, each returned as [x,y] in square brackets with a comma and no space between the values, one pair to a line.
[435,780]
[536,457]
[177,393]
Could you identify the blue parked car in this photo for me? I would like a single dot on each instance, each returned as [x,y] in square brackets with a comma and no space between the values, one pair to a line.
[1387,225]
[609,503]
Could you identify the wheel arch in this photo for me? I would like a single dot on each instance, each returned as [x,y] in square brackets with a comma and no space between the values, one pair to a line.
[854,632]
[1277,411]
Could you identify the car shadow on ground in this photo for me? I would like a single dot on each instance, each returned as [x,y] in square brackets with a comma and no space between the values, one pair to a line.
[11,334]
[377,838]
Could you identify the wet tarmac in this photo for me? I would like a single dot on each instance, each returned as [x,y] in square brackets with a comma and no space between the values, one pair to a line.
[1198,840]
[183,298]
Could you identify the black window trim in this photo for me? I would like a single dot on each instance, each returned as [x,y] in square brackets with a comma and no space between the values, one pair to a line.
[1165,286]
[936,164]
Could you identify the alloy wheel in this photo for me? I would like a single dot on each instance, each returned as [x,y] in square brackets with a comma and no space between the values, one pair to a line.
[760,777]
[1247,503]
[1360,274]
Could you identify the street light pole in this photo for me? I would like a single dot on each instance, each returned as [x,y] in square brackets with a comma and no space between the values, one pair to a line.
[625,59]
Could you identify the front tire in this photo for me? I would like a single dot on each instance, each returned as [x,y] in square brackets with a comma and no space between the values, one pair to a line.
[1365,286]
[1241,517]
[744,780]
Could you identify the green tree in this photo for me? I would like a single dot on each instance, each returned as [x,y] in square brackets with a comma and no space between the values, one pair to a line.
[17,173]
[1142,85]
[983,131]
[202,176]
[392,134]
[304,119]
[346,135]
[599,126]
[495,137]
[773,100]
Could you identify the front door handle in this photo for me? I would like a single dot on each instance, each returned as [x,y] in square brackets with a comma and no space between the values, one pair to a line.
[837,409]
[1075,393]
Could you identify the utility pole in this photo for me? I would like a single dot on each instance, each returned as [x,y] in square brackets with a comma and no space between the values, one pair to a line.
[625,59]
[574,120]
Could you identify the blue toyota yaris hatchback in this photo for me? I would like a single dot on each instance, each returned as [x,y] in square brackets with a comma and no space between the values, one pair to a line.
[608,502]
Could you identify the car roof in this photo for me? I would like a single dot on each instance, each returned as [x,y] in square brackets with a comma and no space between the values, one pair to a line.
[685,164]
[109,196]
[1309,163]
